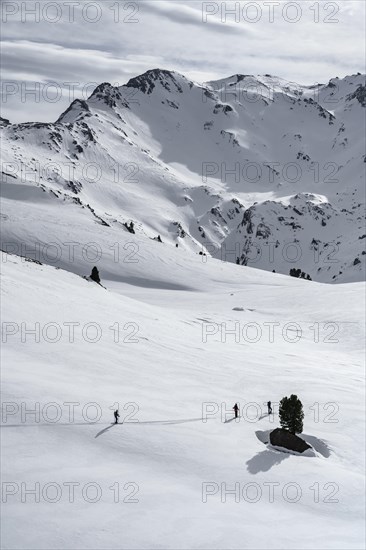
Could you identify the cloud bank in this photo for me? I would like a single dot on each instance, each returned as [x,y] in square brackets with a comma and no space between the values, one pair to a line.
[53,52]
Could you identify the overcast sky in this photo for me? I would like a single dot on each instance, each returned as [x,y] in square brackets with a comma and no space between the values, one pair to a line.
[53,52]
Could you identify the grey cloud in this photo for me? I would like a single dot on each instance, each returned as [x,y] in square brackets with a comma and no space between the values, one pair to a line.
[171,35]
[185,14]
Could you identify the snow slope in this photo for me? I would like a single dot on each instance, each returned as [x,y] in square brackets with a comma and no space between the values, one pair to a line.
[175,336]
[251,169]
[181,361]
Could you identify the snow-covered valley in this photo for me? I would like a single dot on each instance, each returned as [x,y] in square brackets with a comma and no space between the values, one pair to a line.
[174,336]
[162,349]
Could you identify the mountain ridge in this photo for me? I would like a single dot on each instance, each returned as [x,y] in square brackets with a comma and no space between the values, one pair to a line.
[194,162]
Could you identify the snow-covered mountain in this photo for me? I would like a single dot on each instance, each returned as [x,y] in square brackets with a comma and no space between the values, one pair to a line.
[252,170]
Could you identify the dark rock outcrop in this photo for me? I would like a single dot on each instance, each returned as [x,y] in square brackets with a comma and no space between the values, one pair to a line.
[147,81]
[283,438]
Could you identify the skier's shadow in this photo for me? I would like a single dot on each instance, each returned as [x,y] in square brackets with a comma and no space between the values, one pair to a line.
[260,418]
[231,419]
[178,421]
[50,425]
[158,422]
[105,430]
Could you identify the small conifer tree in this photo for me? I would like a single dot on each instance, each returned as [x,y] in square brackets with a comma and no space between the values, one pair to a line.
[95,275]
[291,414]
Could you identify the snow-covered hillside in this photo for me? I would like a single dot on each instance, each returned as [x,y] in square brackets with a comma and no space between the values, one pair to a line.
[161,482]
[155,183]
[250,170]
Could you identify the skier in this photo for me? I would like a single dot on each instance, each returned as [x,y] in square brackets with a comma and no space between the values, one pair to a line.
[269,407]
[236,409]
[116,416]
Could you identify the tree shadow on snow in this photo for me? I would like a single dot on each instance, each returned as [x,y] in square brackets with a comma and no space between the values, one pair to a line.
[264,461]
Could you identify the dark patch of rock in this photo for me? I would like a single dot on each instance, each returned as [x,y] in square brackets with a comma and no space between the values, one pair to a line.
[283,438]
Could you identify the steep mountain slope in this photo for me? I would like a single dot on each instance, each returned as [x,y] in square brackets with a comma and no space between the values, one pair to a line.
[253,170]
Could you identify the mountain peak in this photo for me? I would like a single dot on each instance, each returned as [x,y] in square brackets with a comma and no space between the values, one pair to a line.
[78,107]
[102,88]
[146,82]
[4,122]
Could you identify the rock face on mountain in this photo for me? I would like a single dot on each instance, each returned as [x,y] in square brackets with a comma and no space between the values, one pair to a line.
[253,170]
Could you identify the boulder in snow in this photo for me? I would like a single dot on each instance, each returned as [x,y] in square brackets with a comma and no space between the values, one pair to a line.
[283,438]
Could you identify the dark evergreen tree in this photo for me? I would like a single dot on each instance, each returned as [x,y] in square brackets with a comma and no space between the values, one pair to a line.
[95,275]
[291,414]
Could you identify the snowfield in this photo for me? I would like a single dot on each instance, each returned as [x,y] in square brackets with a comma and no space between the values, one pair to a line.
[179,473]
[174,336]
